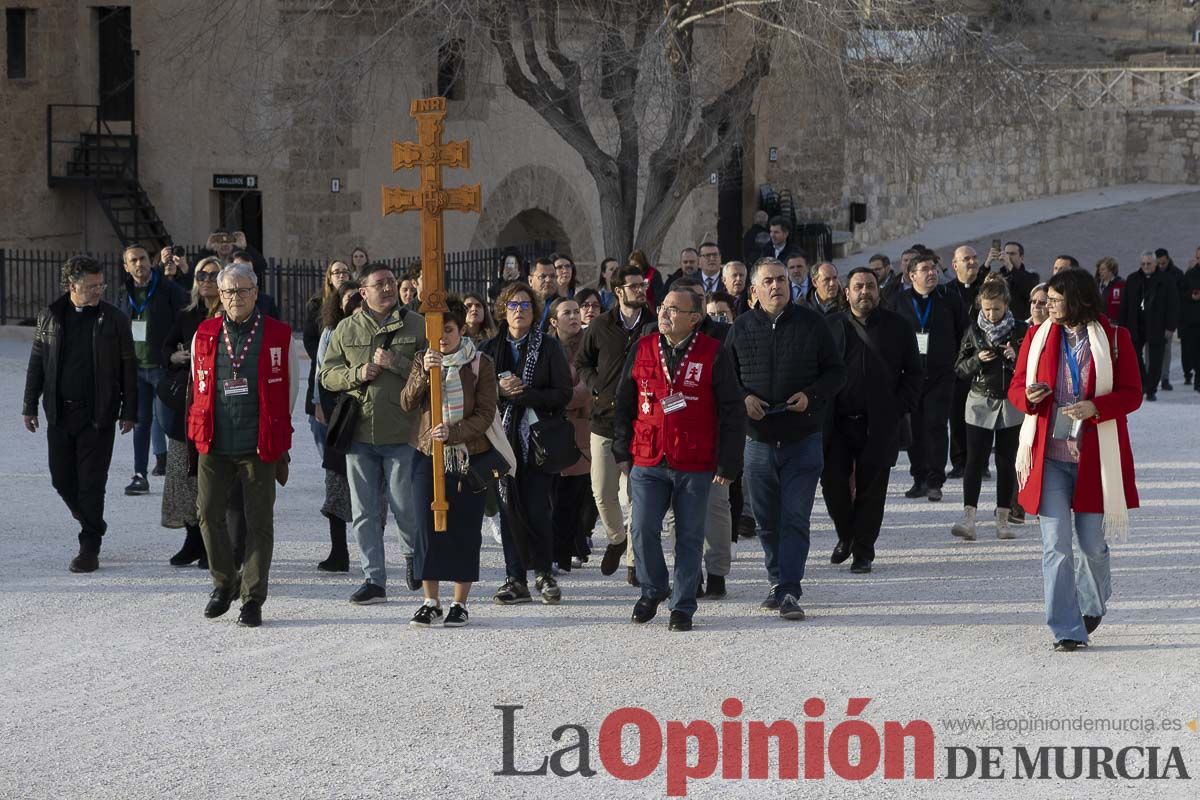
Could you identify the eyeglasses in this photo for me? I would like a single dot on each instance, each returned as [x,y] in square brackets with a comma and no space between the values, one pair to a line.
[637,287]
[381,286]
[206,276]
[92,287]
[592,305]
[242,291]
[1039,303]
[518,305]
[675,311]
[1056,301]
[340,273]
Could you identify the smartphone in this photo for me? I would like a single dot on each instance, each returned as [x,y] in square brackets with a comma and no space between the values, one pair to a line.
[996,245]
[778,408]
[505,374]
[1042,387]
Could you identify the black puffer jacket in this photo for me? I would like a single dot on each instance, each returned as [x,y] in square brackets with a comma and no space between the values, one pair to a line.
[113,362]
[776,359]
[988,378]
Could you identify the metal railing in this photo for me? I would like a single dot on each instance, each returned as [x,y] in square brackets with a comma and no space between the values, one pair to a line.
[30,279]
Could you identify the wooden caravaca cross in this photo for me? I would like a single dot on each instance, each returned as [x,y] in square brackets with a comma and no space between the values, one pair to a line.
[431,199]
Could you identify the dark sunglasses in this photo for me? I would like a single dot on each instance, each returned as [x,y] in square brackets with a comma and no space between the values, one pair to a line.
[204,276]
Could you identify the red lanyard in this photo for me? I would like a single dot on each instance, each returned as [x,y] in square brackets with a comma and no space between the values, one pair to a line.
[236,363]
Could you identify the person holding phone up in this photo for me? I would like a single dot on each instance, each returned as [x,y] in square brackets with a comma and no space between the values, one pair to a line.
[1077,379]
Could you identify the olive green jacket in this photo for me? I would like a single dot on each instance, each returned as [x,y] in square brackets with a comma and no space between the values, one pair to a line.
[352,345]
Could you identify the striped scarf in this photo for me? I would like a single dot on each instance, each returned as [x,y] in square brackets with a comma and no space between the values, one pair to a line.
[454,402]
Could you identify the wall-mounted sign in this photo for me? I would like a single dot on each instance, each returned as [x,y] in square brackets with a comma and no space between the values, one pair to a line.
[773,154]
[235,181]
[335,185]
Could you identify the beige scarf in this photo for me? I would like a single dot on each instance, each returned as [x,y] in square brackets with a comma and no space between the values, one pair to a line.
[1112,483]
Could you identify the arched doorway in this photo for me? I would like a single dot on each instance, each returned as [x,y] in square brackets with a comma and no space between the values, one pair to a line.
[533,224]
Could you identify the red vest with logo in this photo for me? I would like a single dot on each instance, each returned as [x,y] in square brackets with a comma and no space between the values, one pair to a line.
[687,437]
[274,384]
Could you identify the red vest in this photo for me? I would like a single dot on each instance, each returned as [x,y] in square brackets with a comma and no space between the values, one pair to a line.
[274,383]
[688,437]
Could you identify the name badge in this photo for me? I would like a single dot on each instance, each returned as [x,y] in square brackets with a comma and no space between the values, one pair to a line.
[923,343]
[235,387]
[139,330]
[674,402]
[1065,428]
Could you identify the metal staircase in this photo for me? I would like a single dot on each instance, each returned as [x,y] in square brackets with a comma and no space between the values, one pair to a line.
[106,162]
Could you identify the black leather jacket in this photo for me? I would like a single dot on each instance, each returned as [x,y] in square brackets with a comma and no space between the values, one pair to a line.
[113,360]
[988,378]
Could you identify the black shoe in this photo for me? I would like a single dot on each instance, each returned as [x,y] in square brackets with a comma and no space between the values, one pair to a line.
[1091,623]
[1152,397]
[716,587]
[1167,387]
[160,466]
[410,575]
[337,562]
[789,608]
[956,474]
[934,494]
[612,557]
[679,622]
[139,485]
[548,587]
[1016,515]
[456,617]
[700,588]
[987,474]
[202,563]
[645,609]
[192,550]
[218,603]
[860,566]
[746,528]
[426,615]
[250,615]
[631,577]
[368,595]
[919,489]
[772,601]
[511,593]
[84,562]
[841,551]
[1187,379]
[1068,645]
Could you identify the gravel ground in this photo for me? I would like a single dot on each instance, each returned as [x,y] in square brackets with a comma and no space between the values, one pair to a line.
[117,687]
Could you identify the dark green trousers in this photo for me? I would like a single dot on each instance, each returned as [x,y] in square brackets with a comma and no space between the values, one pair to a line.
[215,476]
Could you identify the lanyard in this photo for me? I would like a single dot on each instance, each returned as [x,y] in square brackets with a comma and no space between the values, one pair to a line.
[922,319]
[679,367]
[1072,367]
[237,362]
[137,310]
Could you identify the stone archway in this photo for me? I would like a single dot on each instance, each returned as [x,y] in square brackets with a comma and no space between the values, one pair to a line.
[535,202]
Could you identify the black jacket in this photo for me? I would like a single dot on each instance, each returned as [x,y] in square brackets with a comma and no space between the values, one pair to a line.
[946,325]
[967,294]
[730,435]
[550,390]
[883,385]
[1020,284]
[1189,308]
[890,291]
[988,378]
[113,363]
[600,363]
[776,359]
[161,309]
[181,333]
[1149,306]
[312,338]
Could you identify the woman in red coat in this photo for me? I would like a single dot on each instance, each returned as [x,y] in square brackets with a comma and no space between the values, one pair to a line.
[1077,379]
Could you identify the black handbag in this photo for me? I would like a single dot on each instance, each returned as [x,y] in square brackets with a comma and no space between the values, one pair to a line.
[172,389]
[485,469]
[552,444]
[347,410]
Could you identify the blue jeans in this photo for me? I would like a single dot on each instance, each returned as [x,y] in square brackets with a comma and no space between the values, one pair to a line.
[153,419]
[372,471]
[782,483]
[652,491]
[1079,582]
[318,432]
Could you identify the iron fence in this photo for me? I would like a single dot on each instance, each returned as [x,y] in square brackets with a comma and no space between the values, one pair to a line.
[30,279]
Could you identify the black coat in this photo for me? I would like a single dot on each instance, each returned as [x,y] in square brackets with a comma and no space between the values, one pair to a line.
[988,378]
[600,363]
[883,385]
[967,294]
[1189,306]
[1020,284]
[312,338]
[776,359]
[1150,306]
[550,389]
[114,365]
[946,325]
[181,333]
[161,309]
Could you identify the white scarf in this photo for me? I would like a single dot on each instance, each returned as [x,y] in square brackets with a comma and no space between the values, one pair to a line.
[1112,483]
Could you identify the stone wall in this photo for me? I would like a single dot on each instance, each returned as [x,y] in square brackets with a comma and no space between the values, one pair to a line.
[1163,146]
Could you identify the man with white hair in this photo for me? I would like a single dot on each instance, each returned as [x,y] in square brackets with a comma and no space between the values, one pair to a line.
[244,380]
